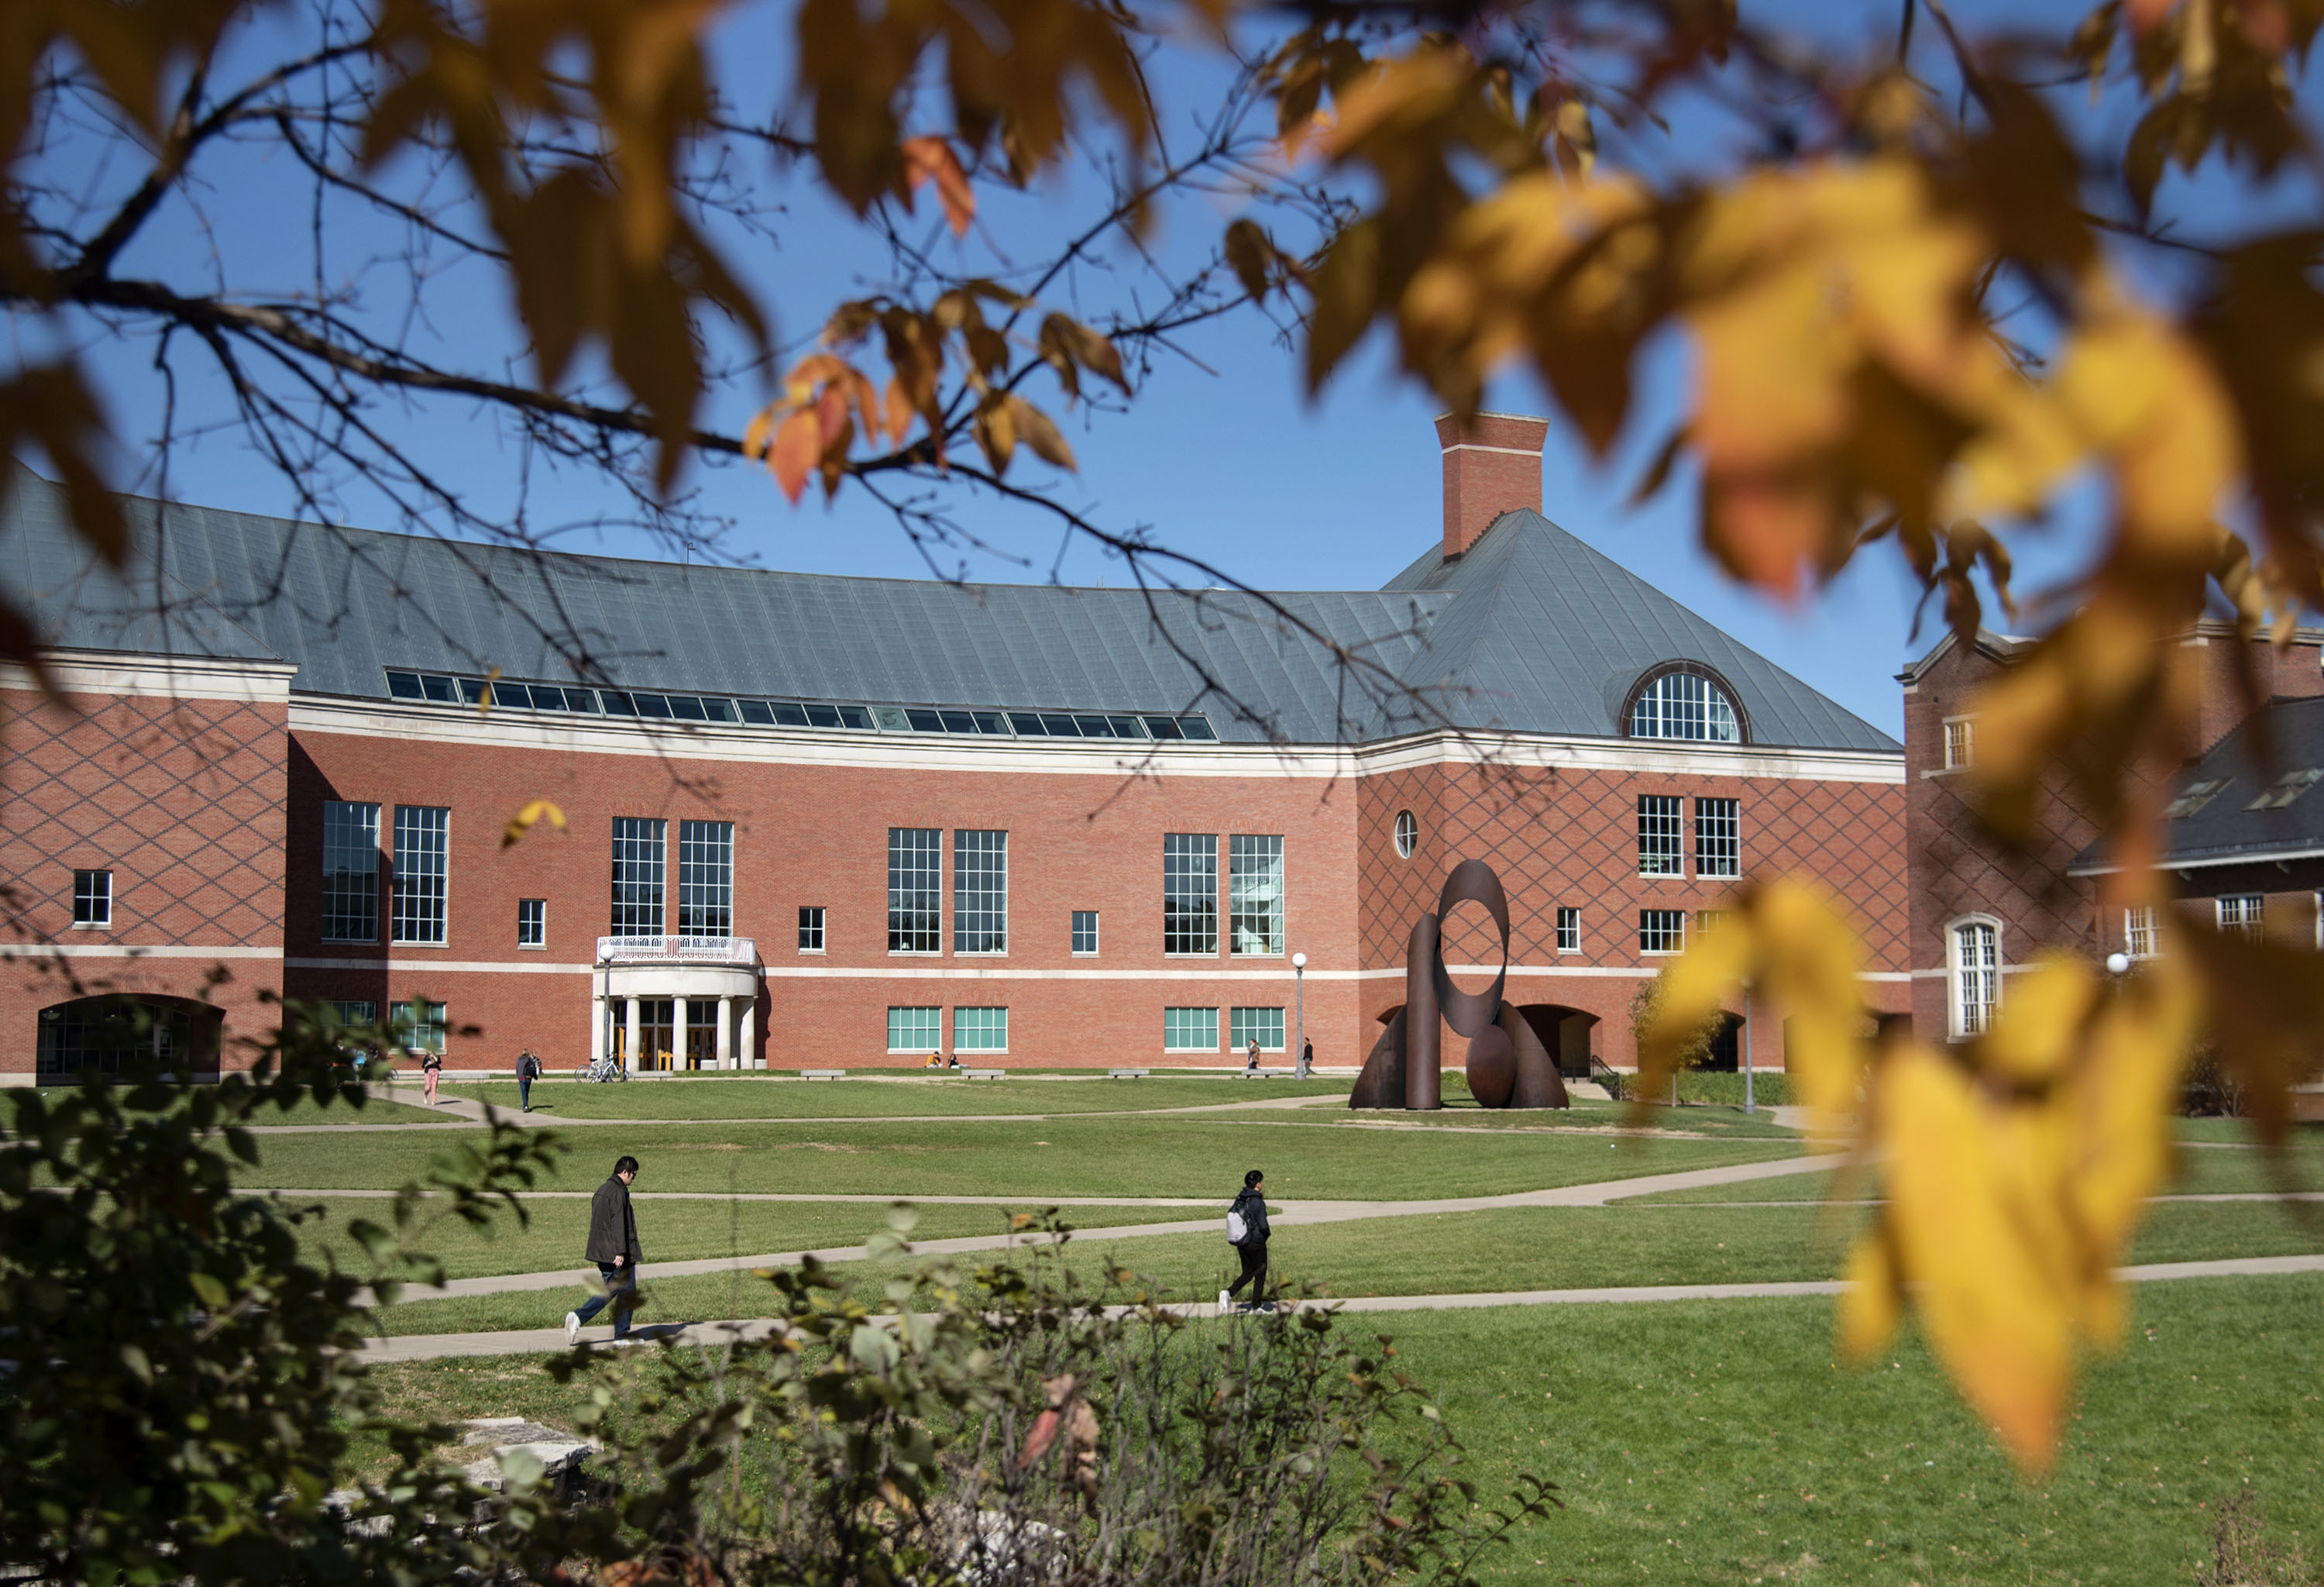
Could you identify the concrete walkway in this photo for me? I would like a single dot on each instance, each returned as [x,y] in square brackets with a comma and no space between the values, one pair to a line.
[1596,1193]
[415,1347]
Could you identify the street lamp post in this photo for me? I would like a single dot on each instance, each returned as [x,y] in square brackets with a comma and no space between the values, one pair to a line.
[1299,999]
[1748,1106]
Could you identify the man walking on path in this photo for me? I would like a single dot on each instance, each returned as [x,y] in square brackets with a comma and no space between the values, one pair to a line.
[614,1246]
[1307,1059]
[1251,1067]
[527,1070]
[1251,1206]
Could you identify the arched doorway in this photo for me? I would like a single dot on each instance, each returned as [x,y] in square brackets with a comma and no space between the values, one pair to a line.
[1565,1031]
[1726,1045]
[124,1034]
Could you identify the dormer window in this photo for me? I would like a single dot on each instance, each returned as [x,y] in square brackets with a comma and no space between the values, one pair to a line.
[1684,703]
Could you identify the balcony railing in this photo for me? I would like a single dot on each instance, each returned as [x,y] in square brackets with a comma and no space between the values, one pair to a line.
[677,950]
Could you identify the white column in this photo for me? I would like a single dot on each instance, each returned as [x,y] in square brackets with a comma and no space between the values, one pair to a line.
[749,1057]
[725,1032]
[635,1033]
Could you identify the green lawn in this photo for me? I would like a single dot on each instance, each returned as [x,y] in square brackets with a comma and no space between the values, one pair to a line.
[1469,1253]
[1175,1156]
[376,1109]
[678,1231]
[776,1096]
[1717,1443]
[1459,1113]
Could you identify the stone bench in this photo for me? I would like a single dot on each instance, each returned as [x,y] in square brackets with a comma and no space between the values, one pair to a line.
[823,1073]
[986,1074]
[1128,1074]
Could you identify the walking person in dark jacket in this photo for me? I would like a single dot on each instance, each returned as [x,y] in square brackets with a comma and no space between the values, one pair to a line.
[614,1246]
[527,1070]
[1251,1206]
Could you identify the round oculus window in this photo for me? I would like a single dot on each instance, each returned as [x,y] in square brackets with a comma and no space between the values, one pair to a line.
[1407,833]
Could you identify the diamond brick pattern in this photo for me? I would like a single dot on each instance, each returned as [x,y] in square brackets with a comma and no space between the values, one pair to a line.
[183,800]
[1568,837]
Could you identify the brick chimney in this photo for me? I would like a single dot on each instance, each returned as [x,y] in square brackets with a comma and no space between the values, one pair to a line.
[1492,465]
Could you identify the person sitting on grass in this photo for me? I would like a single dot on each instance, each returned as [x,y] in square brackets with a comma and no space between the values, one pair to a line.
[614,1246]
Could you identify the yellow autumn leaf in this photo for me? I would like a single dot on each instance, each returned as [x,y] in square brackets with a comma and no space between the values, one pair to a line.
[2047,1006]
[525,819]
[1873,1304]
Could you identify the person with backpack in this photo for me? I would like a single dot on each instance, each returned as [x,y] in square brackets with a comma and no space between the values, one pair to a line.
[527,1070]
[432,1065]
[1247,1231]
[1251,1066]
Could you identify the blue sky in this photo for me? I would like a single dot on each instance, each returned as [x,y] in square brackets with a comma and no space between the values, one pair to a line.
[1222,455]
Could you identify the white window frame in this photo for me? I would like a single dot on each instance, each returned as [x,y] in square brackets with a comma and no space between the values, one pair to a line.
[916,850]
[1096,933]
[2138,922]
[1719,853]
[648,841]
[1669,818]
[1166,1043]
[2247,919]
[979,892]
[363,816]
[1241,1023]
[1568,928]
[814,919]
[1407,833]
[1960,734]
[1257,881]
[1957,1023]
[934,1028]
[540,944]
[102,894]
[959,1043]
[1677,915]
[705,878]
[399,916]
[1183,856]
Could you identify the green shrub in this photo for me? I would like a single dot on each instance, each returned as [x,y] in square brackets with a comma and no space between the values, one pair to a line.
[1769,1089]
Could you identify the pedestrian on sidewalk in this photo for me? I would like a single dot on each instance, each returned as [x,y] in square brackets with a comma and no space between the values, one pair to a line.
[1307,1059]
[614,1246]
[432,1065]
[1250,1064]
[527,1070]
[1249,1214]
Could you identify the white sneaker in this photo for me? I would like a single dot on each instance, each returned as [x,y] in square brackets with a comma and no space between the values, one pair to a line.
[1226,1303]
[572,1326]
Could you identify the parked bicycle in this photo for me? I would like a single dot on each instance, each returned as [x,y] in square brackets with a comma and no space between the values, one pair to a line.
[604,1071]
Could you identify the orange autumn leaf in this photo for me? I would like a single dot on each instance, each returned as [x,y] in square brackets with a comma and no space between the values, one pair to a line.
[931,160]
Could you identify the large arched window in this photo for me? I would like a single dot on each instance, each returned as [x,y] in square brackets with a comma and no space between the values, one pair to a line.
[1686,703]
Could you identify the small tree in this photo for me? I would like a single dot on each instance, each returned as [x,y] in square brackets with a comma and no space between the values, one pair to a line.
[1694,1050]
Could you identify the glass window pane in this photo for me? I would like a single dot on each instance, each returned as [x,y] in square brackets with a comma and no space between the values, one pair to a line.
[1255,891]
[639,846]
[652,705]
[1717,838]
[515,695]
[979,1030]
[913,1030]
[991,722]
[472,691]
[979,892]
[915,890]
[924,721]
[618,702]
[1094,726]
[719,710]
[1190,1030]
[810,924]
[1662,931]
[1027,724]
[1084,931]
[422,861]
[1190,892]
[789,714]
[404,685]
[531,922]
[350,872]
[1059,726]
[706,879]
[1164,727]
[439,689]
[417,1027]
[1197,728]
[758,714]
[1264,1024]
[1569,930]
[957,721]
[858,717]
[823,715]
[1659,827]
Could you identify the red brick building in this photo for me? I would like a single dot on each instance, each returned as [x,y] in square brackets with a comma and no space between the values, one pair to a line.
[833,822]
[2241,844]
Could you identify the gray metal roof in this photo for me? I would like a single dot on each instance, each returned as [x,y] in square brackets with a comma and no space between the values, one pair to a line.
[1530,632]
[2225,830]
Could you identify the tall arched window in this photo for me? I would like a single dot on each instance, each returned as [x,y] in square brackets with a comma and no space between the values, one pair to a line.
[1974,974]
[1685,704]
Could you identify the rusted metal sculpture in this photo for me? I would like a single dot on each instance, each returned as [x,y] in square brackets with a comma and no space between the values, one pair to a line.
[1507,1066]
